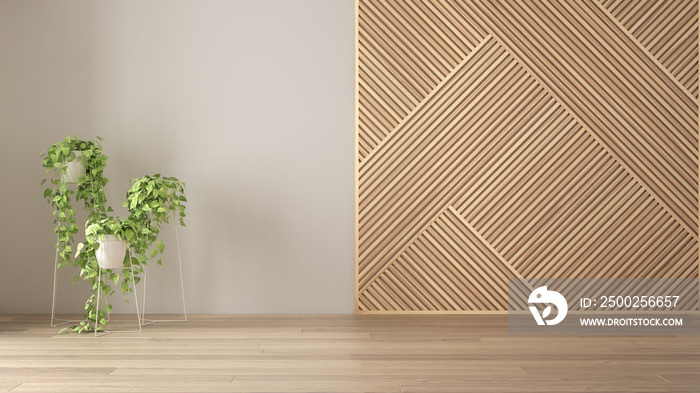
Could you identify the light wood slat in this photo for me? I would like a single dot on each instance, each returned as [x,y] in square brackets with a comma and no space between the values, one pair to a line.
[397,203]
[557,205]
[612,89]
[448,268]
[406,49]
[564,143]
[671,39]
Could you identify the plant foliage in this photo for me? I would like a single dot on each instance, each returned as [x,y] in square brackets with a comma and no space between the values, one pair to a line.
[151,202]
[101,283]
[90,188]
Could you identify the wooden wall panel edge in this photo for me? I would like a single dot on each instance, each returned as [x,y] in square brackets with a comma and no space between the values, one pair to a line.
[357,156]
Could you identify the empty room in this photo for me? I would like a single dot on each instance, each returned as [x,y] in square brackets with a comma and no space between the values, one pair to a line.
[349,196]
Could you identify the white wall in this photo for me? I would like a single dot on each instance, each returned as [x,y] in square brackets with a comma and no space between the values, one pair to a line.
[249,102]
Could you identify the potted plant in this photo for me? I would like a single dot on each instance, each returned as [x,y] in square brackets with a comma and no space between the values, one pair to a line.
[73,168]
[107,240]
[111,236]
[151,200]
[82,162]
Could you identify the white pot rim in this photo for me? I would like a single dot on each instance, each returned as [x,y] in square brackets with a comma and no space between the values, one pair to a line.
[110,239]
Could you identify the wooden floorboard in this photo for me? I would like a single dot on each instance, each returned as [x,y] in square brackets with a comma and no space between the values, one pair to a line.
[338,353]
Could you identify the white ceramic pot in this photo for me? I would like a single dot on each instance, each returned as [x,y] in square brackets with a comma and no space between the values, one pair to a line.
[111,253]
[74,169]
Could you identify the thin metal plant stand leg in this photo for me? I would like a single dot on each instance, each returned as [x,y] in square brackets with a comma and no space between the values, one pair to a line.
[136,302]
[146,322]
[57,321]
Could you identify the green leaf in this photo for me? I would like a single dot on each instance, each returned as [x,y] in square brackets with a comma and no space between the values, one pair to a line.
[161,246]
[80,248]
[154,253]
[115,279]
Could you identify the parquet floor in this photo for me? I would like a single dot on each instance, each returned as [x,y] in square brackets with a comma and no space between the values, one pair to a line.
[339,353]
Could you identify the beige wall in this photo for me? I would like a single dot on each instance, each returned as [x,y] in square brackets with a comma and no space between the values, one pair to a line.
[249,102]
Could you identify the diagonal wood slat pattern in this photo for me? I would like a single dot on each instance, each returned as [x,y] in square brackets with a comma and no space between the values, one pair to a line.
[668,29]
[449,267]
[406,49]
[423,164]
[550,139]
[614,91]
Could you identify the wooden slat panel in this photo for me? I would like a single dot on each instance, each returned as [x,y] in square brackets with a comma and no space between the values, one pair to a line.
[668,30]
[612,89]
[449,267]
[402,184]
[406,49]
[561,137]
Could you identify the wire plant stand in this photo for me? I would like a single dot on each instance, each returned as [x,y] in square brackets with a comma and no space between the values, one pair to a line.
[136,302]
[148,321]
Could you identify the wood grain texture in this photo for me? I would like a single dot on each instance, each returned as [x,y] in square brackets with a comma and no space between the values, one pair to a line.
[522,139]
[339,353]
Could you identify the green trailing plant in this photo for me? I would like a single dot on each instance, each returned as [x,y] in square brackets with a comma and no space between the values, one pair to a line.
[98,226]
[90,188]
[152,200]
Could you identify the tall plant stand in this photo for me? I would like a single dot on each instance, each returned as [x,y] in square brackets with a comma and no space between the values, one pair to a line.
[57,321]
[61,321]
[146,322]
[136,302]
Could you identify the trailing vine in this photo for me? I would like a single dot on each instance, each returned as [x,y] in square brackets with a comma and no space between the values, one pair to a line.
[90,188]
[97,228]
[151,201]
